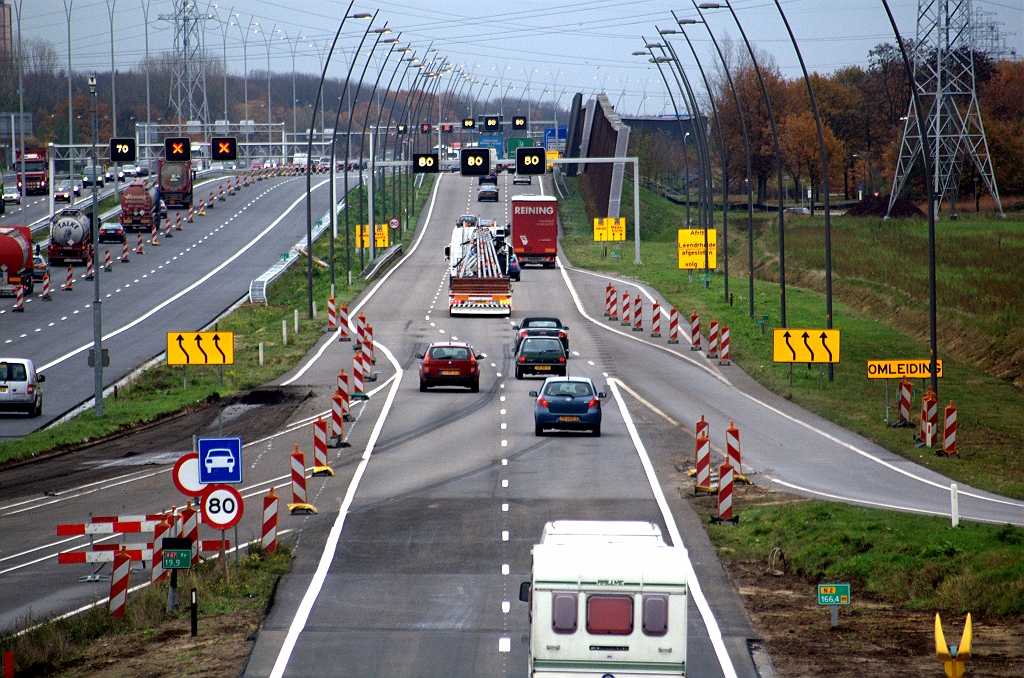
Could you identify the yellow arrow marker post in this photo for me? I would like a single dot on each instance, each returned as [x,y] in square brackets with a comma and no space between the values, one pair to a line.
[200,348]
[805,346]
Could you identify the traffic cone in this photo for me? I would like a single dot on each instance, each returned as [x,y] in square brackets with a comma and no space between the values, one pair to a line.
[106,260]
[202,207]
[19,303]
[177,222]
[124,251]
[138,245]
[167,229]
[153,236]
[46,288]
[68,286]
[88,269]
[191,214]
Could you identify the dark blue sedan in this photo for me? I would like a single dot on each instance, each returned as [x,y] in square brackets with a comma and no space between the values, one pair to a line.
[567,403]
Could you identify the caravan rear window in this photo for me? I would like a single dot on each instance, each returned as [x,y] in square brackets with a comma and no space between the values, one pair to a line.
[564,612]
[655,615]
[610,615]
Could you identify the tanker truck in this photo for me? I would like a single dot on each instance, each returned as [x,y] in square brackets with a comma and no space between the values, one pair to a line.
[15,260]
[175,180]
[139,206]
[70,236]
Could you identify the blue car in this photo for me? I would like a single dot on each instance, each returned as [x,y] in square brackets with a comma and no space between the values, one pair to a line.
[567,403]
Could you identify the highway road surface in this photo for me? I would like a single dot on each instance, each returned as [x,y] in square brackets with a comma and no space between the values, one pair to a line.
[424,533]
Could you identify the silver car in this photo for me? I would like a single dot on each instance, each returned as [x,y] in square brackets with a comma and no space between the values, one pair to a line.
[19,387]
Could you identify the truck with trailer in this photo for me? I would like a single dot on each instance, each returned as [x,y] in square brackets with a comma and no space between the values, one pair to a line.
[535,229]
[16,263]
[478,281]
[606,598]
[174,179]
[35,180]
[140,206]
[70,236]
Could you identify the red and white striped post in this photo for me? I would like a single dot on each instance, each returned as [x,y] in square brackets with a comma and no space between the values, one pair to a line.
[906,390]
[627,318]
[613,304]
[713,338]
[702,461]
[949,431]
[45,296]
[19,299]
[191,216]
[332,314]
[220,194]
[360,330]
[167,229]
[673,325]
[695,332]
[723,353]
[343,392]
[157,571]
[638,314]
[368,357]
[608,300]
[270,509]
[933,418]
[154,235]
[190,529]
[655,319]
[107,266]
[210,204]
[124,250]
[138,244]
[69,285]
[119,583]
[297,461]
[177,222]
[725,485]
[702,426]
[732,447]
[320,462]
[343,323]
[88,269]
[337,420]
[357,374]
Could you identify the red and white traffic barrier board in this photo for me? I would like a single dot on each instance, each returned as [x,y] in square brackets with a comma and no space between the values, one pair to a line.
[357,374]
[368,358]
[337,420]
[107,266]
[270,510]
[343,323]
[360,329]
[627,318]
[713,338]
[177,222]
[88,269]
[732,447]
[69,285]
[929,417]
[320,461]
[673,325]
[105,555]
[190,529]
[157,571]
[298,471]
[128,527]
[202,207]
[608,300]
[19,299]
[343,392]
[613,304]
[655,319]
[119,584]
[191,216]
[905,402]
[702,461]
[45,296]
[723,353]
[154,235]
[138,244]
[142,517]
[332,314]
[124,251]
[949,431]
[725,486]
[695,332]
[638,314]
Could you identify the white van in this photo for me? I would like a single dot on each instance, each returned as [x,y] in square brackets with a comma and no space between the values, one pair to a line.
[606,598]
[19,387]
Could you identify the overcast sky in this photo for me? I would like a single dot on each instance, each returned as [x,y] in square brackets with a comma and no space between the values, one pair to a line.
[557,46]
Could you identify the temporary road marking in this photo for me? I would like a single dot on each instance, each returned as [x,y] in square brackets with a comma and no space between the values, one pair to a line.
[714,632]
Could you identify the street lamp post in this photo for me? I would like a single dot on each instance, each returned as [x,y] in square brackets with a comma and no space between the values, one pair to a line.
[111,7]
[68,5]
[21,102]
[149,119]
[97,304]
[268,37]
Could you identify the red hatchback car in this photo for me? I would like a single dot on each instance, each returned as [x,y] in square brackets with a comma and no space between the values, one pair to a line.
[450,363]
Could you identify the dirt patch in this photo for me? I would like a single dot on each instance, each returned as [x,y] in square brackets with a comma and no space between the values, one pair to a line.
[878,206]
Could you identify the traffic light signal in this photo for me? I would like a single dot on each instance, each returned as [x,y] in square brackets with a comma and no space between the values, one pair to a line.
[475,162]
[224,148]
[446,128]
[425,128]
[425,163]
[518,122]
[468,123]
[492,124]
[530,160]
[177,148]
[122,149]
[400,129]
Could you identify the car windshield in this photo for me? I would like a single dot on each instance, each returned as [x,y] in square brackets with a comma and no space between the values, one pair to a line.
[575,389]
[449,353]
[542,347]
[110,227]
[13,372]
[542,325]
[64,185]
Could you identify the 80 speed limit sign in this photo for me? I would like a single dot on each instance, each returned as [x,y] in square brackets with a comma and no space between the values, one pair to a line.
[222,507]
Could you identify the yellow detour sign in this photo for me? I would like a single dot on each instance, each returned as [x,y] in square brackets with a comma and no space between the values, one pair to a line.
[200,348]
[609,229]
[953,658]
[690,246]
[805,346]
[897,369]
[380,233]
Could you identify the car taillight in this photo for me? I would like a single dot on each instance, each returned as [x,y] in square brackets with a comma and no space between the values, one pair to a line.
[542,401]
[522,334]
[31,389]
[594,402]
[522,358]
[426,359]
[561,335]
[561,360]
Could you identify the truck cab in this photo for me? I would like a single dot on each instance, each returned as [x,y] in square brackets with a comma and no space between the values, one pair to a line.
[606,598]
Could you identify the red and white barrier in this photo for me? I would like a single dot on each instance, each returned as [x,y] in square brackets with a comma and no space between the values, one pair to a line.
[270,510]
[337,419]
[673,325]
[613,301]
[119,584]
[694,332]
[112,527]
[702,428]
[209,203]
[723,352]
[609,300]
[933,419]
[949,430]
[320,462]
[702,462]
[167,229]
[725,485]
[19,299]
[906,390]
[360,330]
[627,316]
[140,518]
[89,275]
[104,553]
[638,314]
[124,251]
[69,285]
[928,410]
[368,357]
[298,470]
[656,319]
[45,296]
[732,447]
[191,216]
[343,323]
[202,207]
[189,529]
[713,338]
[107,266]
[138,244]
[332,314]
[343,392]
[220,194]
[357,374]
[177,222]
[157,571]
[154,236]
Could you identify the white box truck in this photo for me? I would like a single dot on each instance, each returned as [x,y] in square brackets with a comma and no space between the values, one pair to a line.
[606,598]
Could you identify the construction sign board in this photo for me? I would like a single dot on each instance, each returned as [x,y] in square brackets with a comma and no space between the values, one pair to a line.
[609,229]
[805,345]
[690,248]
[363,236]
[898,369]
[200,348]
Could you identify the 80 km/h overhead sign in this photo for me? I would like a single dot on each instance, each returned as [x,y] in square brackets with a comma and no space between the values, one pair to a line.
[805,345]
[200,348]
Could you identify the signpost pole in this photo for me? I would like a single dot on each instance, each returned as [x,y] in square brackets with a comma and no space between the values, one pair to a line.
[172,593]
[636,209]
[195,614]
[835,615]
[886,401]
[223,557]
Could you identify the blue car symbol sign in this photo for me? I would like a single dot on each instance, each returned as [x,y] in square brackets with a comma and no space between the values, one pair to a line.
[220,460]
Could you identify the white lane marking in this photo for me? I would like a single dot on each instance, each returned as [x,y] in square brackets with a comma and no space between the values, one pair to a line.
[327,557]
[503,397]
[504,462]
[353,313]
[714,632]
[775,410]
[504,535]
[504,508]
[504,644]
[504,568]
[590,362]
[504,443]
[504,482]
[159,307]
[504,426]
[506,607]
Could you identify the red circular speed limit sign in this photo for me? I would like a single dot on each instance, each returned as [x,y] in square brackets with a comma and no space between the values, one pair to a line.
[222,507]
[186,475]
[394,224]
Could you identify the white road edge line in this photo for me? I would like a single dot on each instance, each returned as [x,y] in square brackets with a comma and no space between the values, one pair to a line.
[775,410]
[327,557]
[156,309]
[710,623]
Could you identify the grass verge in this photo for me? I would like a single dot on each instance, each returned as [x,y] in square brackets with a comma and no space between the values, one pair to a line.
[991,411]
[230,606]
[161,392]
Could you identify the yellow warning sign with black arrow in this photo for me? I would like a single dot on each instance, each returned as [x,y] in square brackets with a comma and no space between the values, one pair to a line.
[200,348]
[805,345]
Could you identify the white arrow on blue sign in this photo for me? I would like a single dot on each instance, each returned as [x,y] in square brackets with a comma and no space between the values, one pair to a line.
[220,460]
